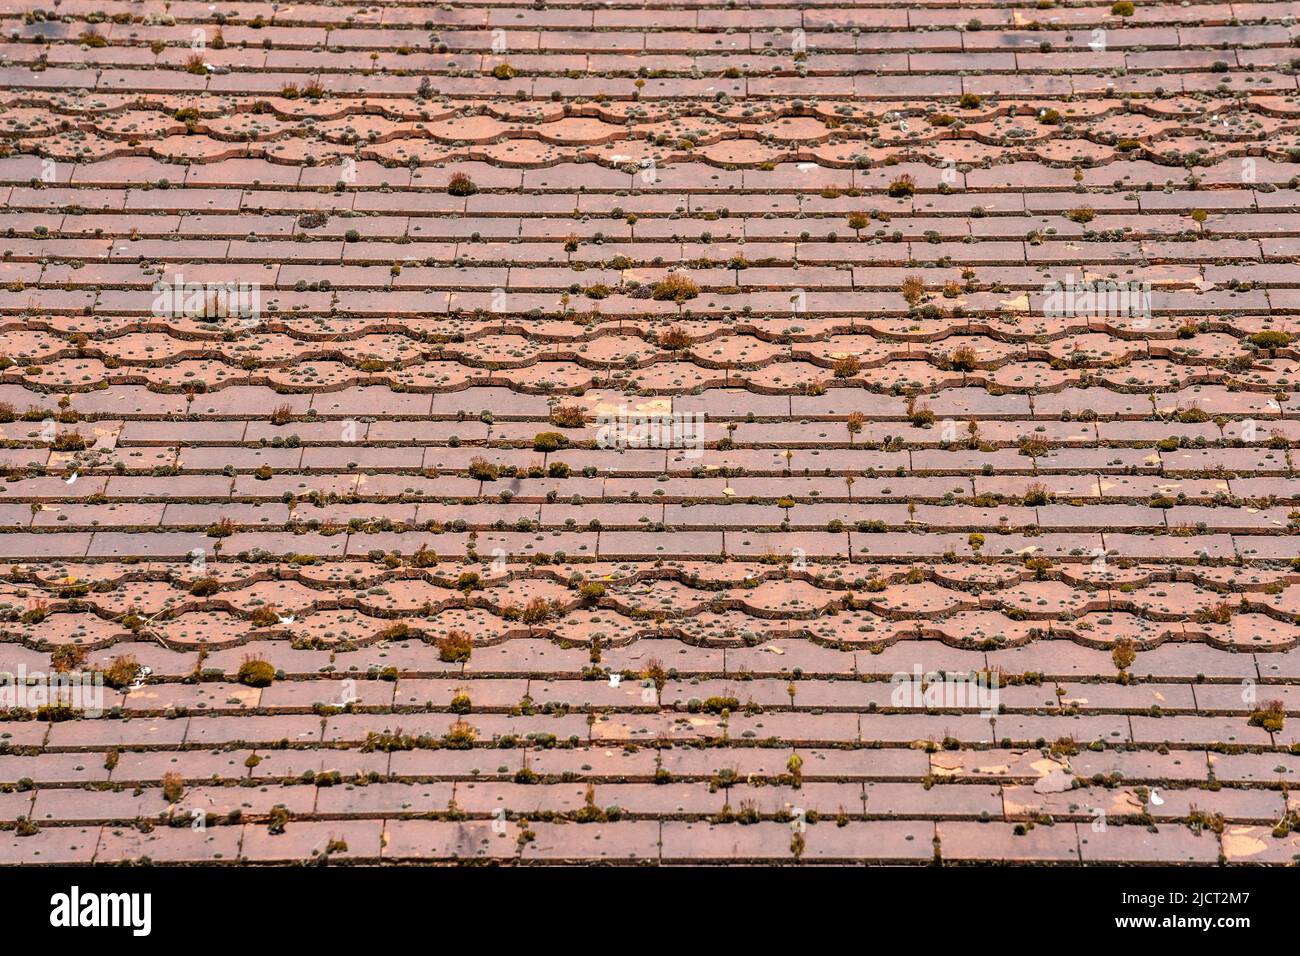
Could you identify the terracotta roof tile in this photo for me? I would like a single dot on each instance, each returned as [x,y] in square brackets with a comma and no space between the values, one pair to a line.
[689,434]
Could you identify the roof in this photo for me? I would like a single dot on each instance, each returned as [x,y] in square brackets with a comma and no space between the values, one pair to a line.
[678,433]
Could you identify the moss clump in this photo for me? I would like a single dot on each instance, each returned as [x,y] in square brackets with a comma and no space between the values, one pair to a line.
[846,366]
[567,416]
[255,672]
[55,713]
[388,741]
[265,616]
[459,736]
[1271,339]
[69,441]
[455,648]
[902,187]
[1123,654]
[716,705]
[549,441]
[483,470]
[67,657]
[122,672]
[675,287]
[962,359]
[221,529]
[1271,716]
[461,185]
[204,587]
[674,339]
[173,787]
[37,613]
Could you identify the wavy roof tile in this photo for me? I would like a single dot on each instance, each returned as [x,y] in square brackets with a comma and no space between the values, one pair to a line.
[694,432]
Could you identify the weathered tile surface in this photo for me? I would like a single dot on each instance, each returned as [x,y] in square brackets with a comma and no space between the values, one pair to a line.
[733,380]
